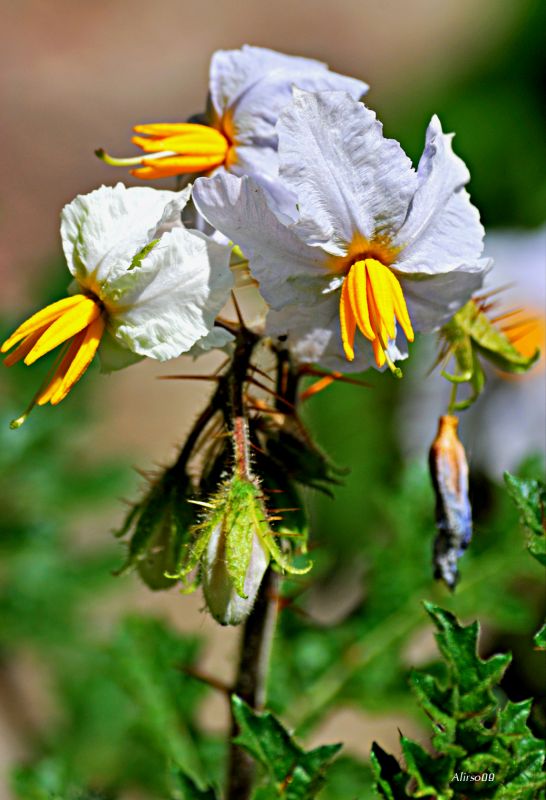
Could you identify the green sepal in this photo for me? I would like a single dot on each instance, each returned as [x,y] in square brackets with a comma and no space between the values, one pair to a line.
[491,342]
[238,508]
[293,773]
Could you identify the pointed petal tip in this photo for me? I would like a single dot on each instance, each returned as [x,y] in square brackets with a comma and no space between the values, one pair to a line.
[16,423]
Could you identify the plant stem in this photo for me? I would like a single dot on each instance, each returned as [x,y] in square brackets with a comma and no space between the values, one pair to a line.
[251,680]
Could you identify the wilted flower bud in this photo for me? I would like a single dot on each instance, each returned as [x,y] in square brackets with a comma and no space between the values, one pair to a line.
[233,546]
[160,524]
[449,472]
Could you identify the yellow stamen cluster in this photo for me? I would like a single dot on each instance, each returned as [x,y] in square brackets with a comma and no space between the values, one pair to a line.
[78,318]
[176,149]
[372,300]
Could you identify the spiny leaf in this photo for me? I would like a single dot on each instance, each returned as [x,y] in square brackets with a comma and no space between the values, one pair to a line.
[184,788]
[530,498]
[482,750]
[297,774]
[474,677]
[390,778]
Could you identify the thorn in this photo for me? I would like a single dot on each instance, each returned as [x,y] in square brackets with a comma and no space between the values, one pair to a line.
[278,397]
[210,680]
[492,292]
[258,449]
[188,377]
[254,368]
[506,314]
[518,324]
[201,503]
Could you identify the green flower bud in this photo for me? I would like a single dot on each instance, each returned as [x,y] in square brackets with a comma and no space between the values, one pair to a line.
[233,546]
[225,603]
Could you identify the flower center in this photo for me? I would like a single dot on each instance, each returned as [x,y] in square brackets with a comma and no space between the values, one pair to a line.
[372,301]
[177,149]
[77,321]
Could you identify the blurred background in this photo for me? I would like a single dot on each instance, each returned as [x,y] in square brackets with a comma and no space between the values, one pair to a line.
[76,76]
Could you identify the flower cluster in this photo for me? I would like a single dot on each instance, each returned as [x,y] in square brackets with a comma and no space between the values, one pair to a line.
[353,250]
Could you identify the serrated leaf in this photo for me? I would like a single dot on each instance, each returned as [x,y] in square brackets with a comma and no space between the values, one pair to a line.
[184,788]
[540,638]
[428,772]
[530,498]
[296,773]
[474,677]
[390,778]
[474,736]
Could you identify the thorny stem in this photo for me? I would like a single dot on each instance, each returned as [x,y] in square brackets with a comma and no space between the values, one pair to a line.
[251,680]
[257,636]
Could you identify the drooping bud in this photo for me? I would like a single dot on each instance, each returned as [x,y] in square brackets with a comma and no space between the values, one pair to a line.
[449,473]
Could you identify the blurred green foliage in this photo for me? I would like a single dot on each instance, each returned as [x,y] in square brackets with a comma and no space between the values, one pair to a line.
[496,106]
[115,726]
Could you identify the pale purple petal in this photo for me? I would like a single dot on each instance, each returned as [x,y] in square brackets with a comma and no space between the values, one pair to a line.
[348,178]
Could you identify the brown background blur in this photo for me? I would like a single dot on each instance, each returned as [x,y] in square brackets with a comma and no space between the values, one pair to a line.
[77,75]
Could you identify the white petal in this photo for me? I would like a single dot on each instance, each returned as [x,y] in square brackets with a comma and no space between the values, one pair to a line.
[262,164]
[216,339]
[233,72]
[443,228]
[113,356]
[286,268]
[103,230]
[257,110]
[348,178]
[312,334]
[169,302]
[433,299]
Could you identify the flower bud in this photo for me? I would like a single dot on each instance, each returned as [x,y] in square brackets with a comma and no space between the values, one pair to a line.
[232,547]
[224,602]
[159,526]
[449,473]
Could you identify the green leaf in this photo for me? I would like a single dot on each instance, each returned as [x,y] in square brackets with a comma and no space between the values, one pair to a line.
[473,734]
[150,659]
[474,678]
[540,638]
[185,789]
[530,498]
[390,778]
[296,774]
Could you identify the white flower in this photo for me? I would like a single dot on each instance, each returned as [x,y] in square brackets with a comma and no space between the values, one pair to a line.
[143,286]
[248,88]
[503,427]
[377,247]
